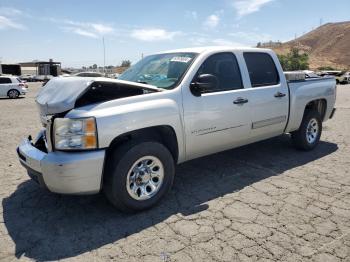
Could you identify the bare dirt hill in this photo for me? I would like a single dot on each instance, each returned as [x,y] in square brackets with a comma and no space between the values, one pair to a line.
[327,45]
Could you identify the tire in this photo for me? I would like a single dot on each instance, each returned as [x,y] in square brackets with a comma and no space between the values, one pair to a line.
[13,93]
[308,135]
[128,190]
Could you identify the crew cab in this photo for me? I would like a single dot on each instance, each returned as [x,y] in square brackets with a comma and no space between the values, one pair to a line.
[12,87]
[124,137]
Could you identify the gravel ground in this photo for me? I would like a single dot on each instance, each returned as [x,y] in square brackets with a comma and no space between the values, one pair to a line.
[265,202]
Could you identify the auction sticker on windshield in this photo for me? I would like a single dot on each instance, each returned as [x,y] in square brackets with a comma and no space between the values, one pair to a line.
[181,59]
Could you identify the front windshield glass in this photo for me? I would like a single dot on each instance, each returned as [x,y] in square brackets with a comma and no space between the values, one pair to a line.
[161,70]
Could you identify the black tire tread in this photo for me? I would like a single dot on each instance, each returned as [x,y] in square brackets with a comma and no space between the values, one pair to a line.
[120,156]
[299,136]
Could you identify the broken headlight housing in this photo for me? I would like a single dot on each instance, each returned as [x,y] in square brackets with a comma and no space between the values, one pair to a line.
[75,134]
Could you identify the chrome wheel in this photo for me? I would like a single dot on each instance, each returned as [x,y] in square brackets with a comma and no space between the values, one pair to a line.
[312,131]
[145,178]
[13,94]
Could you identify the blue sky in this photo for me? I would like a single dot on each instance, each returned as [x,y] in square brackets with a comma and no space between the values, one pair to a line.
[71,31]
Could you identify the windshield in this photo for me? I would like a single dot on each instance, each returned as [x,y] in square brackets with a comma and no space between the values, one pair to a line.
[161,70]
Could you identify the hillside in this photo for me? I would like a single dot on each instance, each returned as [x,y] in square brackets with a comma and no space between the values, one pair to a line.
[327,45]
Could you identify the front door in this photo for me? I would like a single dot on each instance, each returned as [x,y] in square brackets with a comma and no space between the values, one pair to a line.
[219,118]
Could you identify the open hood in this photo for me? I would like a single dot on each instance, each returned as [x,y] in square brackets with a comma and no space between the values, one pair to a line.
[63,94]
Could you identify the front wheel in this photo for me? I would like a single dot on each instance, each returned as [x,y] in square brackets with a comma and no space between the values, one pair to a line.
[308,135]
[138,175]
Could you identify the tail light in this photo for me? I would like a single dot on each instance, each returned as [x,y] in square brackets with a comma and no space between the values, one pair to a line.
[23,85]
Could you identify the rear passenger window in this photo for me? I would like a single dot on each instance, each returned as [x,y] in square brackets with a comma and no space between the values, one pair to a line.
[225,67]
[262,69]
[5,80]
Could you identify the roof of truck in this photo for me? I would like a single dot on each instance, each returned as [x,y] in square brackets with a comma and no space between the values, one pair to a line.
[203,49]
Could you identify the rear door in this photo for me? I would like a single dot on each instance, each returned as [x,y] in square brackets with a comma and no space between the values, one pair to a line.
[5,85]
[269,98]
[219,119]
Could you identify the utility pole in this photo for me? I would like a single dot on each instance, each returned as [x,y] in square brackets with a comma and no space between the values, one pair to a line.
[321,21]
[104,56]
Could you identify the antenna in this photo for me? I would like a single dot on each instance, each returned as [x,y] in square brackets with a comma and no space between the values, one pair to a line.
[321,21]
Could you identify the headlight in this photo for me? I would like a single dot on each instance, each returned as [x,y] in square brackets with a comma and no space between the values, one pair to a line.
[75,134]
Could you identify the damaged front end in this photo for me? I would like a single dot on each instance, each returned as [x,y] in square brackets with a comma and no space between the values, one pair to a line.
[78,171]
[60,95]
[63,94]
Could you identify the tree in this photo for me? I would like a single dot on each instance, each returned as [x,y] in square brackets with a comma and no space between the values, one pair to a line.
[294,60]
[94,66]
[126,63]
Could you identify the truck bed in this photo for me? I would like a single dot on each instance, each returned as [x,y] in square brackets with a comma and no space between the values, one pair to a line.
[300,92]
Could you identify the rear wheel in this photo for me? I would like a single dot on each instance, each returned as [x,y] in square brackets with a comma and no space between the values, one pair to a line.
[138,175]
[308,135]
[13,93]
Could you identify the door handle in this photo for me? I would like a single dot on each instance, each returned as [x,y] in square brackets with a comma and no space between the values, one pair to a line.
[279,94]
[240,101]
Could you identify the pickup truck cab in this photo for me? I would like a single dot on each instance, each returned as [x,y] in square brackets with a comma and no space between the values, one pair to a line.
[125,136]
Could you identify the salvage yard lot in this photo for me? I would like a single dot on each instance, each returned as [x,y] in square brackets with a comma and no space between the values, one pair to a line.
[265,201]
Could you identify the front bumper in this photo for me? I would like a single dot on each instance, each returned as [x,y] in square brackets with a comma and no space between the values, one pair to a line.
[63,172]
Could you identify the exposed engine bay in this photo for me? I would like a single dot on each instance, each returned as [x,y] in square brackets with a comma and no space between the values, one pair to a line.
[63,94]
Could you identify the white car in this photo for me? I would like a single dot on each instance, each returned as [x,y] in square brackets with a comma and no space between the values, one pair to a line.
[12,87]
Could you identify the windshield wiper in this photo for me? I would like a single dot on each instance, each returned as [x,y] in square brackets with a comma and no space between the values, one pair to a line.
[142,82]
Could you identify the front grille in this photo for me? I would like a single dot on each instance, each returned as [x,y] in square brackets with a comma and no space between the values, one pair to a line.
[41,144]
[45,120]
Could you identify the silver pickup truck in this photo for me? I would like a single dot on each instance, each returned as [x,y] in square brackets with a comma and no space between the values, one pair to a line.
[125,136]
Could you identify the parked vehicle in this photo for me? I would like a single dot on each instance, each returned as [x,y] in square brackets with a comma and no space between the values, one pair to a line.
[125,136]
[12,87]
[343,78]
[27,77]
[88,74]
[40,78]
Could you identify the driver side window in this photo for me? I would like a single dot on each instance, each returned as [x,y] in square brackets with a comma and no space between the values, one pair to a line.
[224,67]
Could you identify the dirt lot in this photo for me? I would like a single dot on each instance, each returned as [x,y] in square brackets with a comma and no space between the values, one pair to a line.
[265,202]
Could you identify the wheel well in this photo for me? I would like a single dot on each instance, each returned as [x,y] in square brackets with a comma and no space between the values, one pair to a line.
[319,105]
[12,90]
[163,134]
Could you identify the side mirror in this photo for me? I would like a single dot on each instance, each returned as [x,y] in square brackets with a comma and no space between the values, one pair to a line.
[203,83]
